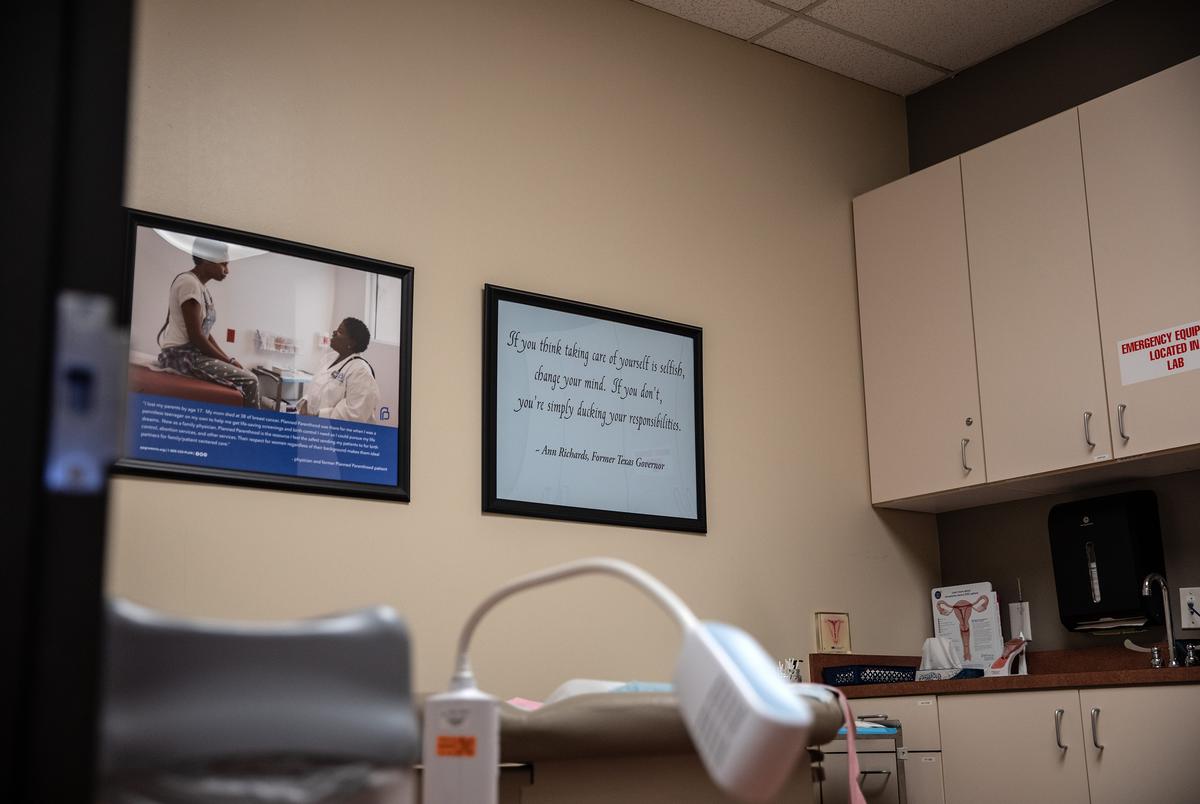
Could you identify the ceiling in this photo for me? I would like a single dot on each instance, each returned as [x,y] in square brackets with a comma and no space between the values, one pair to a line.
[899,45]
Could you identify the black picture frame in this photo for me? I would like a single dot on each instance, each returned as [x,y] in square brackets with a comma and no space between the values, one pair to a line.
[494,503]
[400,491]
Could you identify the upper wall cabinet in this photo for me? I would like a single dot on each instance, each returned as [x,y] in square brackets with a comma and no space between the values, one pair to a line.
[914,300]
[1141,151]
[1033,307]
[1037,340]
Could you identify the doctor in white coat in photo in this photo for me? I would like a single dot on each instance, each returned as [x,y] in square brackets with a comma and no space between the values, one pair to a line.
[346,388]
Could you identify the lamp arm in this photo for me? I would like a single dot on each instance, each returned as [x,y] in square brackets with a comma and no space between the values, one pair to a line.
[463,677]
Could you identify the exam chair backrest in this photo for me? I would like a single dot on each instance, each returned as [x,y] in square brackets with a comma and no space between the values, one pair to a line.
[184,691]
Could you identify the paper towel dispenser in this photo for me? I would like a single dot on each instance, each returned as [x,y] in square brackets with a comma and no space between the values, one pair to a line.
[1102,548]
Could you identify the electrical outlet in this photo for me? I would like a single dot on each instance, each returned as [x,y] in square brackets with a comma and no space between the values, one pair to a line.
[1189,594]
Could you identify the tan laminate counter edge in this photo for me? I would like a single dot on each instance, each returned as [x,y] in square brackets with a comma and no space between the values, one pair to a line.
[1097,667]
[1046,681]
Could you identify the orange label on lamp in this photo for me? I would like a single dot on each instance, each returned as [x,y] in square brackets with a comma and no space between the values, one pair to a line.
[455,746]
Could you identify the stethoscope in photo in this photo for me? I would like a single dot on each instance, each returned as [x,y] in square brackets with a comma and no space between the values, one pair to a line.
[336,370]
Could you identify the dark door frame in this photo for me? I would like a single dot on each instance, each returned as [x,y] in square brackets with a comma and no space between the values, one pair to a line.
[66,73]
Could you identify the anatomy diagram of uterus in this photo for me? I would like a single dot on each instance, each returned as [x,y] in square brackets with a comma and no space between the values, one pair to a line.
[962,610]
[835,630]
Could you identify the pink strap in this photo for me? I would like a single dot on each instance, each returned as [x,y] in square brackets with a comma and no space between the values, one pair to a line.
[856,795]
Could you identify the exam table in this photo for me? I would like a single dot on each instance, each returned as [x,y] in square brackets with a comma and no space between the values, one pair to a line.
[320,710]
[145,380]
[628,747]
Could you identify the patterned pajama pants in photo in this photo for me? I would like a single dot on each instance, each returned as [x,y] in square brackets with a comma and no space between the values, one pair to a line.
[189,360]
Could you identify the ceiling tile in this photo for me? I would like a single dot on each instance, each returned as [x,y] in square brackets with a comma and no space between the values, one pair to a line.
[740,18]
[794,5]
[848,56]
[950,33]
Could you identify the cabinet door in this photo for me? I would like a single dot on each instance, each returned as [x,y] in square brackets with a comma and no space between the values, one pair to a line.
[923,778]
[1145,755]
[1037,338]
[1142,161]
[914,304]
[1003,747]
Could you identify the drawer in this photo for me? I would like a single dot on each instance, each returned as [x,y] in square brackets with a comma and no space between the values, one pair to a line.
[879,779]
[918,716]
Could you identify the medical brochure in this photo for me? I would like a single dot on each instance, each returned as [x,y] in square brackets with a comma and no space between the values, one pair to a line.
[969,616]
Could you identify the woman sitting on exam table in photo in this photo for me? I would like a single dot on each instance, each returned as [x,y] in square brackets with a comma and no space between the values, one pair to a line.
[185,340]
[346,388]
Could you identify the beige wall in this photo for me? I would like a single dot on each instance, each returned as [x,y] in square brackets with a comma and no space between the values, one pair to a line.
[596,150]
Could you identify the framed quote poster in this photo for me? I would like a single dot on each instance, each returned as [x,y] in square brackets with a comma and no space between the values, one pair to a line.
[259,361]
[591,414]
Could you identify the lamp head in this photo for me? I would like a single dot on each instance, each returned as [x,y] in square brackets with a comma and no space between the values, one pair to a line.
[748,726]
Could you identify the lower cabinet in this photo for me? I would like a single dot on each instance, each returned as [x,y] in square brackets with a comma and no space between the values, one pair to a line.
[1105,745]
[879,774]
[1013,746]
[919,765]
[1093,745]
[923,777]
[1142,748]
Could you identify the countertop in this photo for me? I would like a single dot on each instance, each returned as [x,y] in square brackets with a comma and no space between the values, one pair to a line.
[1048,670]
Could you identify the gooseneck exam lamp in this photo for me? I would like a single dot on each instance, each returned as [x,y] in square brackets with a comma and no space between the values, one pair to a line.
[747,725]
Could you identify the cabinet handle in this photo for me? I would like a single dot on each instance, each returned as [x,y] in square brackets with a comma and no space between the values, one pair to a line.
[965,441]
[1087,429]
[1095,723]
[1121,421]
[885,778]
[1058,716]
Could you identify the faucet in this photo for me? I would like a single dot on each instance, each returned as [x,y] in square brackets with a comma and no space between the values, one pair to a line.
[1162,584]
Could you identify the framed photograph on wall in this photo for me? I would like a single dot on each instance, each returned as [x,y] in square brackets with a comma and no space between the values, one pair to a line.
[259,361]
[591,414]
